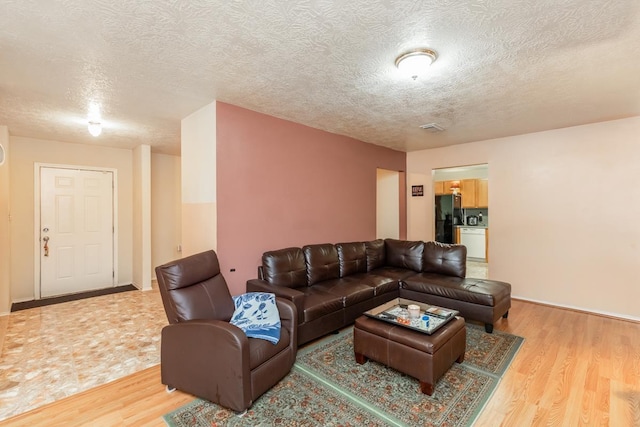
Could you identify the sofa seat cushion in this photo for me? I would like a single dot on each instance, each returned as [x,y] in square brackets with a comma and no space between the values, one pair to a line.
[261,350]
[350,291]
[380,284]
[475,291]
[393,272]
[318,303]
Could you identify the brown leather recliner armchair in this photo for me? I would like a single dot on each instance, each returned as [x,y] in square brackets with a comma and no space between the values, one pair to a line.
[201,352]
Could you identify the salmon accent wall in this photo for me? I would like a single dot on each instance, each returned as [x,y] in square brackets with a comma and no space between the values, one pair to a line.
[283,184]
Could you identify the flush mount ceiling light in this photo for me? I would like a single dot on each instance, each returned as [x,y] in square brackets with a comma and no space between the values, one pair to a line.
[416,62]
[95,128]
[94,120]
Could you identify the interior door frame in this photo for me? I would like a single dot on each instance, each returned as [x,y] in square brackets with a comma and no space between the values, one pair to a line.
[36,218]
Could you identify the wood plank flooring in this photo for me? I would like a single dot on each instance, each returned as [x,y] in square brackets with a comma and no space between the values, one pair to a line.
[573,369]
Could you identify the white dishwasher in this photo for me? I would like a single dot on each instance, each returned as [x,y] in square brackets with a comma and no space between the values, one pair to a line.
[474,239]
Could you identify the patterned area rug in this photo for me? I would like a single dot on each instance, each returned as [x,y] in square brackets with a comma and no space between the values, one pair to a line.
[326,387]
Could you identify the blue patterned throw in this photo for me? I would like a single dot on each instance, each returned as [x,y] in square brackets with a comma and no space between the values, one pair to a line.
[257,315]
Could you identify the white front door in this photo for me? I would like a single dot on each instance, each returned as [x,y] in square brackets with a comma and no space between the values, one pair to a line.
[76,230]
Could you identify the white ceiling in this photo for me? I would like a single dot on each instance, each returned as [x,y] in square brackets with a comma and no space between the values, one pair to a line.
[504,67]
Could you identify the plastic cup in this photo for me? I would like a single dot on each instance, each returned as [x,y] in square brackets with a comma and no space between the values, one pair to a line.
[424,322]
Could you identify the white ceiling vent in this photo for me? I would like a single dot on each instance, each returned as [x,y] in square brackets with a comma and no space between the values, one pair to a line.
[432,127]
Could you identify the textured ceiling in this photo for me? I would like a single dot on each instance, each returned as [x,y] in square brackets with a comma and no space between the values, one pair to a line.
[504,67]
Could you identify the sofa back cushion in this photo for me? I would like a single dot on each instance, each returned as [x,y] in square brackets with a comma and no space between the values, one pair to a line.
[285,267]
[404,254]
[322,262]
[352,257]
[375,254]
[443,258]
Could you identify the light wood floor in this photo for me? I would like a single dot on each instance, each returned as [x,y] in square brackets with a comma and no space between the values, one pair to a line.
[573,369]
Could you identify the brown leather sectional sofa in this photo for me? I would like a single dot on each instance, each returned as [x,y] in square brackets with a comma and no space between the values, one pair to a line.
[331,285]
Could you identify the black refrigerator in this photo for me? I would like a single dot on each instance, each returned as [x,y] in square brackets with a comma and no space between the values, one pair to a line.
[448,215]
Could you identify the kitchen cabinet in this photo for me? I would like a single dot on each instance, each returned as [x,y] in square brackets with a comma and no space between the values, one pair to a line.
[444,187]
[449,185]
[457,239]
[486,243]
[475,193]
[438,188]
[482,193]
[468,189]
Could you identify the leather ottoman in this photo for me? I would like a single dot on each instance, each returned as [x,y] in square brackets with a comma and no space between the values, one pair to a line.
[422,356]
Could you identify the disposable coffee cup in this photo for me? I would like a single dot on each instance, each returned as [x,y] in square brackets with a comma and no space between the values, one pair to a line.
[424,322]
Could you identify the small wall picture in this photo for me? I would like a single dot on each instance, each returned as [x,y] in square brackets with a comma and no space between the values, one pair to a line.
[417,190]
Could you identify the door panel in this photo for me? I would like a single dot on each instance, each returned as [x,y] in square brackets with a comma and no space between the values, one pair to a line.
[76,215]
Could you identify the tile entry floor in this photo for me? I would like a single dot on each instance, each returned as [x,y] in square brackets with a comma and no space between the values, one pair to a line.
[478,270]
[48,353]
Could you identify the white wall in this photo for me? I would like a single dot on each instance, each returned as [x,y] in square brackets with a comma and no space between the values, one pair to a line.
[166,209]
[564,209]
[142,217]
[458,173]
[387,204]
[24,153]
[5,241]
[198,154]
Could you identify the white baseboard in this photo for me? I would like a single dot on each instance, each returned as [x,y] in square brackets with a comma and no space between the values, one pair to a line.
[575,308]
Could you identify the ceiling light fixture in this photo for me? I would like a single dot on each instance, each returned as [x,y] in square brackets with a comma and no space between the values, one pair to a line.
[94,120]
[416,62]
[95,128]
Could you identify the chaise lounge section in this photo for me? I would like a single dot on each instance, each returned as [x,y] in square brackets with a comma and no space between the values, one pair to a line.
[442,282]
[331,285]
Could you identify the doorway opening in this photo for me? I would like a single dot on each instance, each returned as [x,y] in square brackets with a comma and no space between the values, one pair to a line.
[388,204]
[462,212]
[391,204]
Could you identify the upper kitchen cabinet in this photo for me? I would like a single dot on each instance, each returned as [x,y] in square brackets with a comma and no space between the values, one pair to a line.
[468,190]
[482,192]
[475,193]
[449,186]
[438,188]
